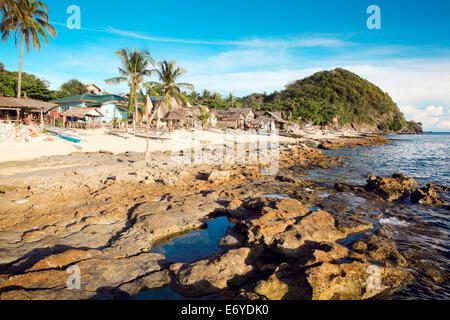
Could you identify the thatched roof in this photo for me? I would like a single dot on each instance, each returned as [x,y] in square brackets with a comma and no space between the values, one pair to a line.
[275,115]
[229,115]
[197,109]
[81,112]
[174,104]
[27,104]
[180,114]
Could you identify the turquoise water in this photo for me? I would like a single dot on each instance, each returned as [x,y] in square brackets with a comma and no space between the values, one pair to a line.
[423,157]
[187,248]
[195,245]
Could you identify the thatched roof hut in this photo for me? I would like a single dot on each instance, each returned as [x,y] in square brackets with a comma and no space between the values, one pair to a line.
[28,105]
[180,114]
[179,118]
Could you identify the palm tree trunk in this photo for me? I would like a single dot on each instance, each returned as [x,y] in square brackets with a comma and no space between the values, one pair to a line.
[19,80]
[135,113]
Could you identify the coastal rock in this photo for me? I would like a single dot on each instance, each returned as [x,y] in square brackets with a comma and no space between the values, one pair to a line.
[427,196]
[354,281]
[219,176]
[213,274]
[391,189]
[319,226]
[376,248]
[285,225]
[341,143]
[232,239]
[99,277]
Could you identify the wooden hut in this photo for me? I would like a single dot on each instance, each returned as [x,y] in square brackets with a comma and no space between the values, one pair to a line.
[230,119]
[23,110]
[179,118]
[83,118]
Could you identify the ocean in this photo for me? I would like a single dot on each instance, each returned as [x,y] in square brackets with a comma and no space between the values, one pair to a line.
[421,232]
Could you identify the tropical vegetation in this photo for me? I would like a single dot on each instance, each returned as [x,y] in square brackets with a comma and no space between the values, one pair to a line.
[320,98]
[70,88]
[29,21]
[167,85]
[134,71]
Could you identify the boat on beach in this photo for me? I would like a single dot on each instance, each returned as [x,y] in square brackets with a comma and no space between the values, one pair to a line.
[63,135]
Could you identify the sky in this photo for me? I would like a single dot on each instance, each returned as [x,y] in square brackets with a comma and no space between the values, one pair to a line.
[247,46]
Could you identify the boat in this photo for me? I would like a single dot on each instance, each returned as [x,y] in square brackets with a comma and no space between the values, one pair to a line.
[68,138]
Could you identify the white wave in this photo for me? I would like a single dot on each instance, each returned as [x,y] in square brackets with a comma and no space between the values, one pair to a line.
[394,221]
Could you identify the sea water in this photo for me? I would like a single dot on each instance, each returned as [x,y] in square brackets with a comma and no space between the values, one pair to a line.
[421,232]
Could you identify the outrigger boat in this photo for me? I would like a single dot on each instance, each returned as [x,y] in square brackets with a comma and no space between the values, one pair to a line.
[64,136]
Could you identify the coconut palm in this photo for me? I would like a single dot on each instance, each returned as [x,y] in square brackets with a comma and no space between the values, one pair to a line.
[168,73]
[29,20]
[135,68]
[9,6]
[204,117]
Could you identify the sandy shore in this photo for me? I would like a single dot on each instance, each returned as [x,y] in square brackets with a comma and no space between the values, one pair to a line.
[99,140]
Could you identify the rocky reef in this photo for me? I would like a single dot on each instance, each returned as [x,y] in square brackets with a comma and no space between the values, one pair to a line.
[397,187]
[102,214]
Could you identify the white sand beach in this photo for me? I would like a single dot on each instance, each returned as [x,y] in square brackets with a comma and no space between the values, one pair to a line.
[99,140]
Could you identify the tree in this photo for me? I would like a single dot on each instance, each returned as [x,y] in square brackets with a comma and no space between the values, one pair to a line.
[204,117]
[230,99]
[34,87]
[206,95]
[28,19]
[72,87]
[7,86]
[193,97]
[135,68]
[168,74]
[2,67]
[383,127]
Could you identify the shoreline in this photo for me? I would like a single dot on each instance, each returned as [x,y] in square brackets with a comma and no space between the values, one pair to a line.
[99,140]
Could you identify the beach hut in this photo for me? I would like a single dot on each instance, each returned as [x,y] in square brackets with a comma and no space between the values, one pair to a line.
[24,110]
[230,119]
[83,118]
[276,117]
[179,118]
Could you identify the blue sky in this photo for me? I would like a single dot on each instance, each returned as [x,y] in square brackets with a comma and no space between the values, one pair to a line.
[259,46]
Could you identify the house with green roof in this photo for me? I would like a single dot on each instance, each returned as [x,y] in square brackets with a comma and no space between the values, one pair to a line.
[110,106]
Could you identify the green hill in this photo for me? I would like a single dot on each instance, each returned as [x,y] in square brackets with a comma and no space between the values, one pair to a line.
[324,95]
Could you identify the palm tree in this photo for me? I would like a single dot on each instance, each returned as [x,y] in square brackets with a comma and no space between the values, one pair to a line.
[28,19]
[134,70]
[204,117]
[167,87]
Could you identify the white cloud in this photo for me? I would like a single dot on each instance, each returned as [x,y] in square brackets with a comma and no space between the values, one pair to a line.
[286,42]
[444,125]
[435,111]
[410,82]
[431,117]
[241,83]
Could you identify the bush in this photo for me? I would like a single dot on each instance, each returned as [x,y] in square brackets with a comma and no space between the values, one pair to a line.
[383,127]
